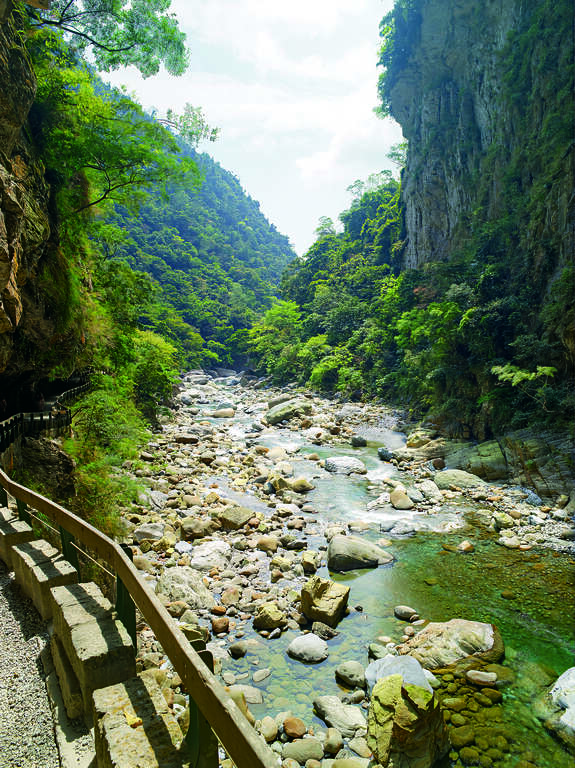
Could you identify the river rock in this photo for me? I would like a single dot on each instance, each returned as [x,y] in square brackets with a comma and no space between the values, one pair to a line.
[345,717]
[404,612]
[212,554]
[345,465]
[300,485]
[557,709]
[480,677]
[269,616]
[351,674]
[345,553]
[151,531]
[183,583]
[324,600]
[443,644]
[294,727]
[333,741]
[431,491]
[309,648]
[198,527]
[457,477]
[405,725]
[267,544]
[268,729]
[279,399]
[232,518]
[303,750]
[223,413]
[287,410]
[384,453]
[407,666]
[400,500]
[310,561]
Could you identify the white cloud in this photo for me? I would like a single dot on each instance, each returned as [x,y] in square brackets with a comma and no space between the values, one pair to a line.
[292,86]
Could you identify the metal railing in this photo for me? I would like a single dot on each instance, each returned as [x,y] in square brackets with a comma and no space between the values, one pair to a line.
[210,706]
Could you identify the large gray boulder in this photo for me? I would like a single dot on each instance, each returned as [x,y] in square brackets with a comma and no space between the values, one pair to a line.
[149,531]
[287,410]
[444,644]
[346,553]
[211,554]
[345,717]
[448,477]
[183,583]
[309,648]
[345,465]
[324,600]
[405,725]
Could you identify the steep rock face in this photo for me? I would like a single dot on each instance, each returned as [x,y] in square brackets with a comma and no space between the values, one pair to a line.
[24,196]
[453,103]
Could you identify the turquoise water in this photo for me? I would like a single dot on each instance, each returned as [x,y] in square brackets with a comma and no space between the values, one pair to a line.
[535,614]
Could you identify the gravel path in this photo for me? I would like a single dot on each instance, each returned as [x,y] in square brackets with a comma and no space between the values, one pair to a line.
[26,725]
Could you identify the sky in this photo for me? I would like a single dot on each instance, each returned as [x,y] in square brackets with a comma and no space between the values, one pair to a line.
[291,85]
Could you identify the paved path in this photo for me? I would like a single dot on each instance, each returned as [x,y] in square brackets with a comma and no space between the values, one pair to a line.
[26,725]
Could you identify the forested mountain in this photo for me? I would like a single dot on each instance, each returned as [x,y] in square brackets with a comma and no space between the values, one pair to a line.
[473,322]
[214,259]
[112,224]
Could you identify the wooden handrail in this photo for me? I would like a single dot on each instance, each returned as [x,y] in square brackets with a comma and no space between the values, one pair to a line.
[244,746]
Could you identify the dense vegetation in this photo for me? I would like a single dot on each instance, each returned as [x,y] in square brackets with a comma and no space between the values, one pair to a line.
[157,257]
[213,259]
[482,341]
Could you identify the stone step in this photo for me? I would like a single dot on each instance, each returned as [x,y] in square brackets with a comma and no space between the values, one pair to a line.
[98,646]
[69,684]
[13,531]
[38,566]
[133,726]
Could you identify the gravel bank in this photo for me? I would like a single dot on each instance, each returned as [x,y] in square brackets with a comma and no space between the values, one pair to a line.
[26,726]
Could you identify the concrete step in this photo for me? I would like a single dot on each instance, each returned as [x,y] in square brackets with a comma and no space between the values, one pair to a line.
[69,685]
[98,647]
[13,531]
[38,566]
[133,726]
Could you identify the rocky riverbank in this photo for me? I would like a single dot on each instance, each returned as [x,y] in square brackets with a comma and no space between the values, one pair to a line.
[251,494]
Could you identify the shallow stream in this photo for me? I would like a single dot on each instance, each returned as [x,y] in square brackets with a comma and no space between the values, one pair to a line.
[528,595]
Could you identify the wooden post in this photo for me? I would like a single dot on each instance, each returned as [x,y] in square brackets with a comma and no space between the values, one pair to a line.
[23,512]
[125,606]
[69,550]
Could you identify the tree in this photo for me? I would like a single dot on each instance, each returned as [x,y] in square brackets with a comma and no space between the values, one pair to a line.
[117,33]
[100,144]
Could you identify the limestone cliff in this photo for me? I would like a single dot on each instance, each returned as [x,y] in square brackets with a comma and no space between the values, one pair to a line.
[477,88]
[26,231]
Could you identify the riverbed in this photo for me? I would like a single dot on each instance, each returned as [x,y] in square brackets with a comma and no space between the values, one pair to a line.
[527,593]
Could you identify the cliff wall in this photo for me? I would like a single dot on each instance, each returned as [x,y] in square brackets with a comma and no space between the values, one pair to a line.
[26,229]
[476,95]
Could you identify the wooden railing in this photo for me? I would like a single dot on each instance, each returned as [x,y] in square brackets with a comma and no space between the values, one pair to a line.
[210,705]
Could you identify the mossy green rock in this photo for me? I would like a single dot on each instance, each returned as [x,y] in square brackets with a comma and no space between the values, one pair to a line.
[405,725]
[287,410]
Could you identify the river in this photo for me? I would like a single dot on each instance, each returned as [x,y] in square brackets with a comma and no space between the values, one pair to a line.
[527,593]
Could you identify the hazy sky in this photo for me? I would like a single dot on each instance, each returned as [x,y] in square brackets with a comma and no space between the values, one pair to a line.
[291,84]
